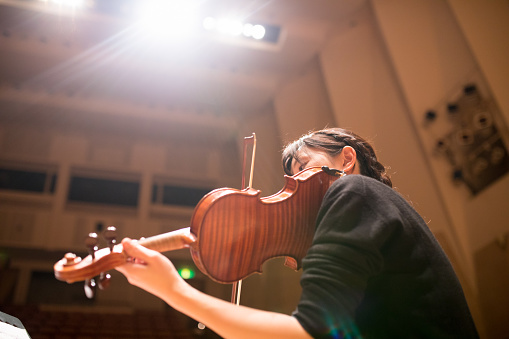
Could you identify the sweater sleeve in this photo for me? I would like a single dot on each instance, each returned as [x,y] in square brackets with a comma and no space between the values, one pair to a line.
[345,253]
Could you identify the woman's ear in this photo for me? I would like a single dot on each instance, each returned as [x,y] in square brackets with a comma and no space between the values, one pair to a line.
[348,158]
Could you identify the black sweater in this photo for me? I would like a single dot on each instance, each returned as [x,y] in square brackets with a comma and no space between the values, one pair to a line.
[375,270]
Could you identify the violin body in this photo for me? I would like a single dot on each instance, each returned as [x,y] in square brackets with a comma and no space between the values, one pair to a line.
[232,233]
[237,231]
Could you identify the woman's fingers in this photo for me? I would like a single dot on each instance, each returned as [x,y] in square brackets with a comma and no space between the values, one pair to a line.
[134,250]
[150,270]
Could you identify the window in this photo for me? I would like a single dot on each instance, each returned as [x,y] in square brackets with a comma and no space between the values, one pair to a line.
[104,191]
[27,180]
[177,195]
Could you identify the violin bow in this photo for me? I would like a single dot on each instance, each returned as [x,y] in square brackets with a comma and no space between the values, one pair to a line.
[237,286]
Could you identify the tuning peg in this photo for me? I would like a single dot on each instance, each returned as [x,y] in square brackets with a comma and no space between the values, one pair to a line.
[90,287]
[104,280]
[111,236]
[91,243]
[71,259]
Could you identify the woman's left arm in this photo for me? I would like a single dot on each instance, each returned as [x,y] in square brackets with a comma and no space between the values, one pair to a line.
[154,273]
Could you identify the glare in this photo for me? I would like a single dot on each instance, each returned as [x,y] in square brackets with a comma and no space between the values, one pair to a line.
[235,28]
[175,19]
[248,30]
[167,18]
[258,32]
[231,27]
[66,3]
[222,25]
[209,23]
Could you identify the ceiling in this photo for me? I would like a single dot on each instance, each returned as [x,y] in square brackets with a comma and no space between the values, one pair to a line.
[103,55]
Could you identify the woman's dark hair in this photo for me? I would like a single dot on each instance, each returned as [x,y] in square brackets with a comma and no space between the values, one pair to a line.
[332,141]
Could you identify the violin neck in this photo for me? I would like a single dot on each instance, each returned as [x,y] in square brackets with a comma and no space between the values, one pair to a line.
[170,241]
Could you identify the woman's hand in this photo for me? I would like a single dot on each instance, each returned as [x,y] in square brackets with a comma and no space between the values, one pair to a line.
[149,270]
[154,273]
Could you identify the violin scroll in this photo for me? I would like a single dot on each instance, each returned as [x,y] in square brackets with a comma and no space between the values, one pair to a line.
[72,263]
[72,268]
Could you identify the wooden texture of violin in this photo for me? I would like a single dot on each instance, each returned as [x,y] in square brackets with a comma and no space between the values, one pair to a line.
[237,231]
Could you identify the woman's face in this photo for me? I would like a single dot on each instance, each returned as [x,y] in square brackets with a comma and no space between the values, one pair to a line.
[310,157]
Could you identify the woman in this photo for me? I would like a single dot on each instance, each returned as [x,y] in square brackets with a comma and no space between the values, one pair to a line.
[374,269]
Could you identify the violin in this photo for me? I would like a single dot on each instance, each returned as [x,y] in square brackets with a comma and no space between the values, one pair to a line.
[232,232]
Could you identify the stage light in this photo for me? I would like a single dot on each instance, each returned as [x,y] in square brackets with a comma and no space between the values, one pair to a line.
[234,27]
[258,32]
[248,30]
